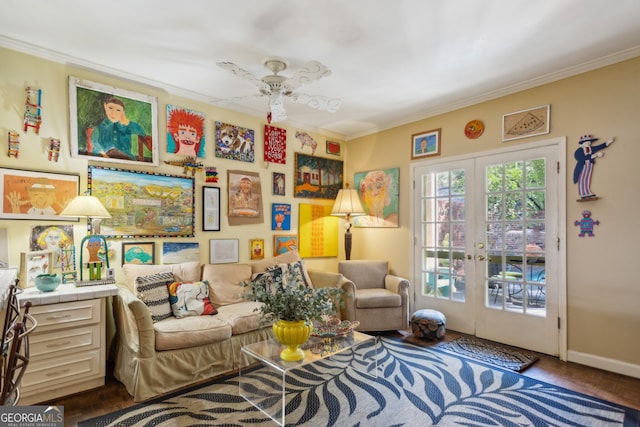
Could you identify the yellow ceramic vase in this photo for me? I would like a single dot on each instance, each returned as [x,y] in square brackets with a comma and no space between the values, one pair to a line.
[292,334]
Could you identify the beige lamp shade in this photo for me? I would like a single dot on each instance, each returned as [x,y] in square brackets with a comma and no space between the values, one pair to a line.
[86,206]
[347,203]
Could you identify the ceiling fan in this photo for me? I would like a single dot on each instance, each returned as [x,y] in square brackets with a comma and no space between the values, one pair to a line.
[276,87]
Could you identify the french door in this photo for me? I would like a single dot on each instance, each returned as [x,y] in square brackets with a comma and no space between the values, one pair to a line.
[486,246]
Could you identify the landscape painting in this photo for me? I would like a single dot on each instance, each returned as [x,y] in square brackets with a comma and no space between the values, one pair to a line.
[143,204]
[317,177]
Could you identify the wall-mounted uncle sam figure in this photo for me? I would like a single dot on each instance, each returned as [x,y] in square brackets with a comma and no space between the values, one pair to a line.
[585,159]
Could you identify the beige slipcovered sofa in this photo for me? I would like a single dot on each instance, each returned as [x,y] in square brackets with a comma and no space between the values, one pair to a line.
[155,358]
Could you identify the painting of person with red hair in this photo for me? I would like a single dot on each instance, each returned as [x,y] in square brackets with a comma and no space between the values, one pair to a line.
[185,132]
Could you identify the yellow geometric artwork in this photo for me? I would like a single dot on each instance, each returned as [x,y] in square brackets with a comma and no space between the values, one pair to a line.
[318,231]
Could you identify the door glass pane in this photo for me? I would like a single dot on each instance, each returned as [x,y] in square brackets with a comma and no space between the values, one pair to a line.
[515,237]
[443,235]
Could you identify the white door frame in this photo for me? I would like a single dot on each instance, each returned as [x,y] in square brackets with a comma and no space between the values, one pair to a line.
[561,143]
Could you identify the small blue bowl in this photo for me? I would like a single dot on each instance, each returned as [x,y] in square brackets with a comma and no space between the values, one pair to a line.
[47,282]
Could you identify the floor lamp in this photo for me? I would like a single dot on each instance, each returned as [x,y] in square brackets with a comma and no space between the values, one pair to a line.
[347,203]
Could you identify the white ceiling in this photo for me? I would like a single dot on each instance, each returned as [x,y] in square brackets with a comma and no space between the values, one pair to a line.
[392,62]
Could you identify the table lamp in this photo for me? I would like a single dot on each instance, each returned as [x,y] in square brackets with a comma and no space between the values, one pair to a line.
[347,203]
[91,208]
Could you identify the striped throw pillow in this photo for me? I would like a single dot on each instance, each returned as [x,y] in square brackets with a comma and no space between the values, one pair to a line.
[152,290]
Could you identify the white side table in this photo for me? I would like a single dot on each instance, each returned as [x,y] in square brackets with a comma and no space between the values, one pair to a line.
[67,348]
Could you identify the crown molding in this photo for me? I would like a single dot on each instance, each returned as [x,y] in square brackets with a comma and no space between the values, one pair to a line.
[58,57]
[601,62]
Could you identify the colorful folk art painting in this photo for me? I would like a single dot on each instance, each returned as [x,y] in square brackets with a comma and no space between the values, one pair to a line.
[317,177]
[178,252]
[379,190]
[111,124]
[185,132]
[144,204]
[51,237]
[257,248]
[318,231]
[138,253]
[36,195]
[280,216]
[275,145]
[245,197]
[283,243]
[234,142]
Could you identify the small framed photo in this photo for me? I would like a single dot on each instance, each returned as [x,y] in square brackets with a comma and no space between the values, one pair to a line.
[210,209]
[278,183]
[425,144]
[257,248]
[526,123]
[284,243]
[33,264]
[138,253]
[223,251]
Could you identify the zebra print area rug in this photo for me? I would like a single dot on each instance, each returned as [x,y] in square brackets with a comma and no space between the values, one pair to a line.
[415,386]
[501,356]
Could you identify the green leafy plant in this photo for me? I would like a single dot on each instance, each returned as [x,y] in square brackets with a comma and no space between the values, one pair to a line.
[288,298]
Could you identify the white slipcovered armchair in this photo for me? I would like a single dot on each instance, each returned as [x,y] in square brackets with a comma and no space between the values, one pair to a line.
[375,298]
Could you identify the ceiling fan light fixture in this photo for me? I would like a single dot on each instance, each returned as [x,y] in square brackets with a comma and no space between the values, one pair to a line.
[275,64]
[276,86]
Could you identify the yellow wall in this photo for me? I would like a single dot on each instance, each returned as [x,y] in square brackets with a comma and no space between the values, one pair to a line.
[603,293]
[603,290]
[19,71]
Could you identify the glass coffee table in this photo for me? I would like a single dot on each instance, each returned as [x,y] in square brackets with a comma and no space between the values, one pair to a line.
[266,388]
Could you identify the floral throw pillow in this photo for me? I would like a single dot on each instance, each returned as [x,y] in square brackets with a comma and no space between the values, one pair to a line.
[268,279]
[190,299]
[152,290]
[298,272]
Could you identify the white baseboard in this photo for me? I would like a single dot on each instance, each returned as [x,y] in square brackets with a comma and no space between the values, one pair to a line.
[599,362]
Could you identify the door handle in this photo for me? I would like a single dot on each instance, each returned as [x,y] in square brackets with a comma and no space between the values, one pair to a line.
[481,258]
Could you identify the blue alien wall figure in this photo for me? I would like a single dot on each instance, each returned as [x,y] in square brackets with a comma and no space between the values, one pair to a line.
[586,224]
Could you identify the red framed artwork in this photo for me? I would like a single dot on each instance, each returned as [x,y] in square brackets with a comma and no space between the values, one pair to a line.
[275,145]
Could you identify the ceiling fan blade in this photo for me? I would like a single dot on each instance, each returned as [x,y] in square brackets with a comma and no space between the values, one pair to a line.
[312,71]
[318,102]
[235,99]
[242,73]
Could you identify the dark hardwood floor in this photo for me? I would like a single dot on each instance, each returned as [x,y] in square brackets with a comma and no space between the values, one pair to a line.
[594,382]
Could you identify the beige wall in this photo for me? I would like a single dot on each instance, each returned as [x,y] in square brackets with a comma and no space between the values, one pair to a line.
[603,294]
[19,71]
[603,291]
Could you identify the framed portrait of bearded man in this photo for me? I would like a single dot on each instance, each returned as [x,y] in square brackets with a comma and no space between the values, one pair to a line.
[379,194]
